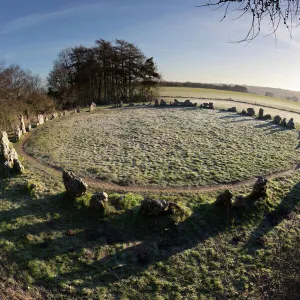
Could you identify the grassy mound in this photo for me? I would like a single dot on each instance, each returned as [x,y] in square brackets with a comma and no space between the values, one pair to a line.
[165,147]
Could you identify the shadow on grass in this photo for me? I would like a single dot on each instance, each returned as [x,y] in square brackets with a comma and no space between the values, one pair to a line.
[288,205]
[130,242]
[60,231]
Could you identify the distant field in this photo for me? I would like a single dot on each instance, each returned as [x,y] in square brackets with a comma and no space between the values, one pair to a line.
[209,93]
[165,147]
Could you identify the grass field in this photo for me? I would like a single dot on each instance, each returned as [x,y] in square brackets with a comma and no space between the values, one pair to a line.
[166,147]
[53,247]
[236,96]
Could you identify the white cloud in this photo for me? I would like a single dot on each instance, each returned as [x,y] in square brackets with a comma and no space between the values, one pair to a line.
[34,19]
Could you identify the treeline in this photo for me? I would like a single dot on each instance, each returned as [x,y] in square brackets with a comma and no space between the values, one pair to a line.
[106,73]
[226,87]
[21,92]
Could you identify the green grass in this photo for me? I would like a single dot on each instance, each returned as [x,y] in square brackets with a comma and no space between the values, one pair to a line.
[210,93]
[165,147]
[209,253]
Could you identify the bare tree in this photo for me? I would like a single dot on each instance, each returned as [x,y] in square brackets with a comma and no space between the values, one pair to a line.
[275,12]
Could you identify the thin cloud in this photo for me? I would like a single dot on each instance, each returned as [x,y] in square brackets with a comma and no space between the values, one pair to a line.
[34,19]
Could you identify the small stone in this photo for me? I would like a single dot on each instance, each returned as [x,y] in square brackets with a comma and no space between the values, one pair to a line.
[98,201]
[232,109]
[211,105]
[93,106]
[156,103]
[261,113]
[150,207]
[268,117]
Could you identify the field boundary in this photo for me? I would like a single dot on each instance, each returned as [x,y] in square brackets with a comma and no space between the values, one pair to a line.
[234,101]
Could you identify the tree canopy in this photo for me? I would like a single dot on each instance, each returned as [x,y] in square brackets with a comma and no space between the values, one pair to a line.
[276,12]
[105,73]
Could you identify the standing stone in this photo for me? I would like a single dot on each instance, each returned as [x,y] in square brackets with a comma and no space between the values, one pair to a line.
[150,207]
[41,119]
[211,105]
[8,156]
[18,133]
[99,201]
[46,119]
[260,188]
[225,198]
[176,102]
[74,185]
[29,128]
[232,109]
[244,112]
[22,124]
[163,102]
[250,111]
[121,104]
[261,113]
[156,102]
[283,122]
[93,106]
[291,124]
[65,112]
[277,119]
[268,117]
[54,115]
[18,167]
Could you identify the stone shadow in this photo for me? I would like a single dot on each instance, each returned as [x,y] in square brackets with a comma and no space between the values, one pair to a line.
[283,211]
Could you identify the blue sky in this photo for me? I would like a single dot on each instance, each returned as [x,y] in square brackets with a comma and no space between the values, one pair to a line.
[187,43]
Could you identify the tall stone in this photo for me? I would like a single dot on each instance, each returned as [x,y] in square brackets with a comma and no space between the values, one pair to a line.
[22,124]
[261,113]
[291,124]
[18,133]
[40,119]
[93,106]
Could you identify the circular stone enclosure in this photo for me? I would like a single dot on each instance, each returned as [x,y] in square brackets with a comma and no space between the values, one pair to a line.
[173,147]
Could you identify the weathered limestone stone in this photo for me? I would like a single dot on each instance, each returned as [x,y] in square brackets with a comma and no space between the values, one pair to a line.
[74,185]
[244,112]
[156,102]
[65,112]
[121,104]
[93,106]
[46,119]
[277,119]
[250,111]
[150,207]
[9,160]
[163,102]
[260,188]
[29,128]
[22,124]
[176,102]
[232,109]
[54,115]
[211,105]
[261,113]
[268,117]
[40,119]
[99,201]
[283,122]
[225,198]
[17,166]
[18,133]
[291,124]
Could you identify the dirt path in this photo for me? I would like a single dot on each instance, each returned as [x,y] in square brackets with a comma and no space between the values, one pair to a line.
[46,168]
